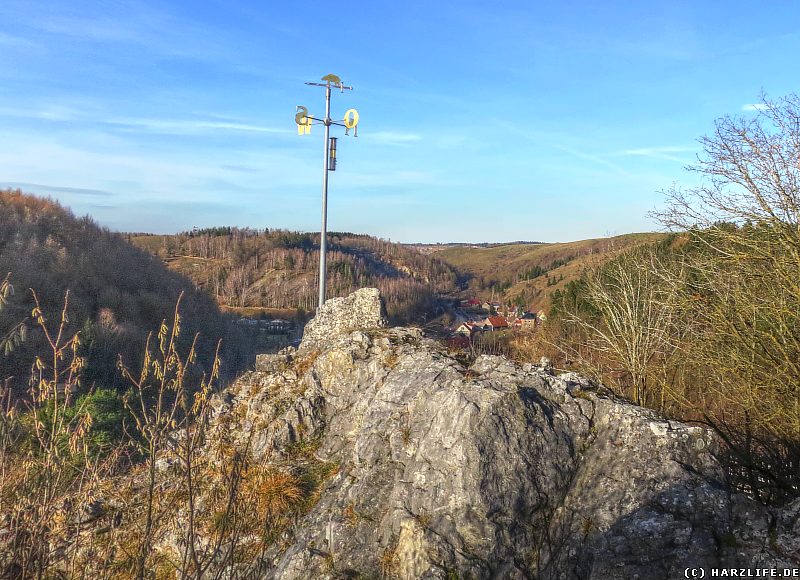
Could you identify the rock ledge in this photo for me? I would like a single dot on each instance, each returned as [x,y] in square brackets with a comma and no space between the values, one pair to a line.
[490,471]
[363,309]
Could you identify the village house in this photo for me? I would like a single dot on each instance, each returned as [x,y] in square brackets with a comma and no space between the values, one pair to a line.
[527,320]
[276,326]
[493,323]
[470,327]
[465,329]
[270,326]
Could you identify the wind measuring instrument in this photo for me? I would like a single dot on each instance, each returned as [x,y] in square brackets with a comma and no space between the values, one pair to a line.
[304,122]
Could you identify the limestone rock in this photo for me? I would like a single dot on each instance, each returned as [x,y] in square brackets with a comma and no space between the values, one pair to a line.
[491,471]
[267,361]
[363,309]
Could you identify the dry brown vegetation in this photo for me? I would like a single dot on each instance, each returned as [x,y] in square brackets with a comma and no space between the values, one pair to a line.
[165,500]
[277,269]
[117,292]
[706,325]
[529,274]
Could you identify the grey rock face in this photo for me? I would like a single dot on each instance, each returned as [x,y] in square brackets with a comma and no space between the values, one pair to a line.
[266,361]
[363,309]
[492,471]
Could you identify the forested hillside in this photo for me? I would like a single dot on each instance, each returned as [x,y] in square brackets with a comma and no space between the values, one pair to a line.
[705,325]
[117,294]
[279,269]
[701,326]
[529,273]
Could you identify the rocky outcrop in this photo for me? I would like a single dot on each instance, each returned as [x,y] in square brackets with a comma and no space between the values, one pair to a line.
[489,471]
[361,309]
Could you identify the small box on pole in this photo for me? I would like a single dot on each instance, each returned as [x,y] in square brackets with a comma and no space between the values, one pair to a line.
[332,155]
[304,122]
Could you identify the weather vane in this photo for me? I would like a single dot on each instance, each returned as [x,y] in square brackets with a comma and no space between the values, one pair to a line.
[304,122]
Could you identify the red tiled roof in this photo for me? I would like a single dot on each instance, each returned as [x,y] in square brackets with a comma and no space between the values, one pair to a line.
[497,321]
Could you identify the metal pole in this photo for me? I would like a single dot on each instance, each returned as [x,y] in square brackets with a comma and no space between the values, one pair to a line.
[324,231]
[304,122]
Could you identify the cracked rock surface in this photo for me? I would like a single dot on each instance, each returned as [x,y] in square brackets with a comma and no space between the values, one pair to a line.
[491,471]
[361,309]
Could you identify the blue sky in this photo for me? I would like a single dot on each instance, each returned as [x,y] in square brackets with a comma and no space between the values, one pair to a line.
[531,121]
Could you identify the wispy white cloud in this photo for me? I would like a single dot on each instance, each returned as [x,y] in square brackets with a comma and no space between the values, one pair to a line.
[682,46]
[454,141]
[48,113]
[94,29]
[382,200]
[142,173]
[39,187]
[152,29]
[391,137]
[669,153]
[9,40]
[594,159]
[164,126]
[381,179]
[239,168]
[189,126]
[754,107]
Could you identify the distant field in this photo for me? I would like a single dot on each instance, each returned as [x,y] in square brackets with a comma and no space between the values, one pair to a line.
[505,261]
[193,266]
[256,312]
[507,264]
[433,248]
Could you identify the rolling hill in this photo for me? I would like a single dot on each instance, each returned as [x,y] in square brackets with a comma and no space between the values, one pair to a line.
[117,293]
[250,271]
[245,269]
[528,273]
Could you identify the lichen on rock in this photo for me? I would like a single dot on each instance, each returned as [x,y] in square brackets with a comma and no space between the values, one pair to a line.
[497,470]
[425,468]
[363,309]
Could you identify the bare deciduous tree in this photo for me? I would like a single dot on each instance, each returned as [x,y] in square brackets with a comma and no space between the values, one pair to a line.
[744,220]
[636,323]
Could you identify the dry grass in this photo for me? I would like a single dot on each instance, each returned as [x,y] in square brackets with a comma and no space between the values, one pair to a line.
[390,359]
[531,346]
[350,515]
[215,500]
[272,492]
[587,526]
[302,364]
[257,312]
[423,520]
[389,563]
[406,435]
